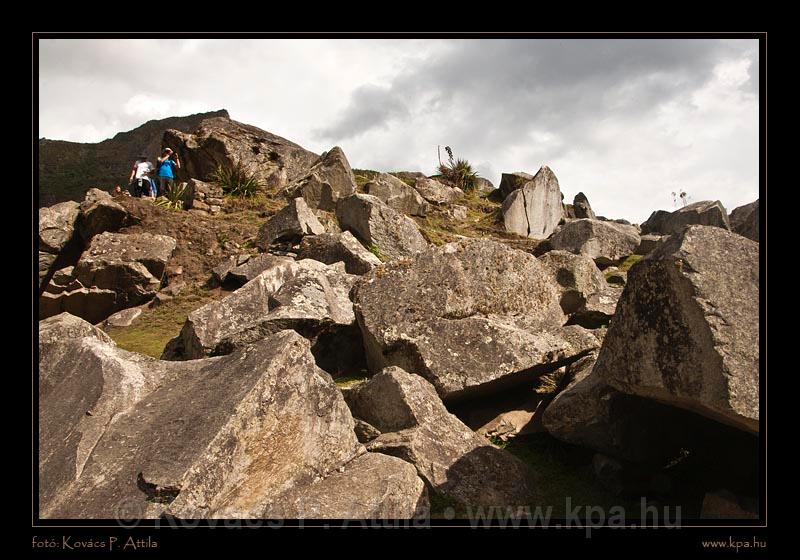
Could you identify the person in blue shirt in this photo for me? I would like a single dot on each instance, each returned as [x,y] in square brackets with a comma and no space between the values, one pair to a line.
[167,164]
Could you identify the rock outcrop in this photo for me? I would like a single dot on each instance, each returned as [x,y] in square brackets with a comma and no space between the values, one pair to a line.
[686,331]
[705,213]
[100,213]
[329,180]
[202,196]
[469,316]
[307,296]
[291,223]
[376,224]
[605,242]
[580,205]
[745,219]
[222,142]
[535,209]
[397,195]
[509,182]
[330,248]
[187,438]
[576,276]
[437,193]
[452,459]
[56,233]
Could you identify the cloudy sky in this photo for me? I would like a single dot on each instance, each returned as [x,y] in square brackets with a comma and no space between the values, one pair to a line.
[627,122]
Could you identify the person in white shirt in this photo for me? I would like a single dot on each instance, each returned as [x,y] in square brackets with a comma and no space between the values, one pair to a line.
[144,185]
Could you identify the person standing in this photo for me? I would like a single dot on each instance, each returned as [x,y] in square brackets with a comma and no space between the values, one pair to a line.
[167,164]
[141,174]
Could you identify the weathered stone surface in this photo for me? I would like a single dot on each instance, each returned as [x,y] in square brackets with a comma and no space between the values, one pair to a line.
[412,176]
[252,267]
[372,486]
[509,182]
[582,208]
[648,243]
[598,309]
[307,296]
[458,212]
[437,193]
[46,263]
[99,213]
[328,180]
[451,458]
[468,316]
[605,242]
[483,186]
[365,432]
[577,278]
[201,195]
[220,272]
[535,209]
[686,328]
[222,142]
[705,212]
[92,304]
[292,222]
[330,248]
[745,219]
[57,226]
[63,327]
[397,195]
[124,318]
[131,265]
[374,223]
[193,447]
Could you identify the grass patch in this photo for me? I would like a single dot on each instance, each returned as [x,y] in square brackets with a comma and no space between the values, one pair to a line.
[155,327]
[484,219]
[351,379]
[364,176]
[629,262]
[375,250]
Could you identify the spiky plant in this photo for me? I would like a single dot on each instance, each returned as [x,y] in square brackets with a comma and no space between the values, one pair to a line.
[458,172]
[237,180]
[173,197]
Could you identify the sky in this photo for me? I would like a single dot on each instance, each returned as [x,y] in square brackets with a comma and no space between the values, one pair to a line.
[627,122]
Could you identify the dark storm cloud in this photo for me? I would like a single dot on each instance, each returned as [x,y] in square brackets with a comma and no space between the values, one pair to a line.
[370,107]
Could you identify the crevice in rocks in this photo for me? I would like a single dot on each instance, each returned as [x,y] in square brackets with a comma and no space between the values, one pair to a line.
[525,206]
[157,494]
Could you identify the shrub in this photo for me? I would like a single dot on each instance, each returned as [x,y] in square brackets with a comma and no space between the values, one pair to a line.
[458,172]
[236,180]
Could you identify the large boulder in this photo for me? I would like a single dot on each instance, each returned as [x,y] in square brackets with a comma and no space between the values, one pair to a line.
[452,459]
[328,180]
[330,248]
[483,186]
[396,194]
[65,326]
[99,212]
[509,182]
[605,242]
[686,331]
[291,223]
[535,209]
[705,213]
[250,268]
[191,442]
[92,304]
[371,486]
[577,278]
[57,238]
[376,224]
[222,142]
[437,193]
[307,296]
[744,220]
[132,265]
[471,316]
[580,205]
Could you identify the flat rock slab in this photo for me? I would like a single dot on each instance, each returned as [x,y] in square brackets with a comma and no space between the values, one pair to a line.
[437,193]
[397,195]
[330,248]
[686,331]
[468,316]
[605,242]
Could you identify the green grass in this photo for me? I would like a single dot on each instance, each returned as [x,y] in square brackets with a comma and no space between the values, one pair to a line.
[351,379]
[155,327]
[629,262]
[364,176]
[375,250]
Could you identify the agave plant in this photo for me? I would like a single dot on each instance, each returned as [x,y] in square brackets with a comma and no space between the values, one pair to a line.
[173,197]
[237,180]
[458,171]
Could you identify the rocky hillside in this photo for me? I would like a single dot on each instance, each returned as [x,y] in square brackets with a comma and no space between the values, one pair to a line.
[351,343]
[67,169]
